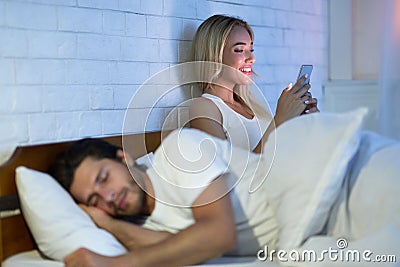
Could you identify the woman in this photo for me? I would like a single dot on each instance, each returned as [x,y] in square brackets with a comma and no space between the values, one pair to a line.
[227,108]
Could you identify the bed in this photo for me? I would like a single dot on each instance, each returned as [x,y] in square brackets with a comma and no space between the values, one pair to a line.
[15,236]
[340,192]
[18,247]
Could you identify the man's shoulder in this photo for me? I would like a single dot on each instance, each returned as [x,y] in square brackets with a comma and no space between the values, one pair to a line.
[191,144]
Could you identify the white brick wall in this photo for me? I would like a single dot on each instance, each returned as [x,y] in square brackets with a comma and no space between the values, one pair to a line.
[68,68]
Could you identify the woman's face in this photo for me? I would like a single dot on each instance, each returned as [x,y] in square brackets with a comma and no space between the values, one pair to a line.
[238,54]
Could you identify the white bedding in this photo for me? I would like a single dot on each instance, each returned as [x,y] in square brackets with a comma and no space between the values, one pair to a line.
[368,212]
[366,217]
[30,259]
[365,212]
[34,259]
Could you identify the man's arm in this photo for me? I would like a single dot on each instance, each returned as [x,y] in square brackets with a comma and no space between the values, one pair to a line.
[132,236]
[212,234]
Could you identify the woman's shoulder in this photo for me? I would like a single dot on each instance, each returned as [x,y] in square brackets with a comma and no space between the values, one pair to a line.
[201,103]
[202,106]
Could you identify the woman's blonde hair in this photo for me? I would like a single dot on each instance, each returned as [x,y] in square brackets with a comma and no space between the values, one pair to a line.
[208,46]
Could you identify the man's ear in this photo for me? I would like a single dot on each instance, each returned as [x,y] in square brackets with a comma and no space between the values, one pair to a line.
[125,157]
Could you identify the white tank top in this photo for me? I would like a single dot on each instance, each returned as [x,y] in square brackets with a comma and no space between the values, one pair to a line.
[239,130]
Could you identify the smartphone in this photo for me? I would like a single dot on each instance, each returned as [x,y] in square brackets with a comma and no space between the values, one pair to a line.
[305,69]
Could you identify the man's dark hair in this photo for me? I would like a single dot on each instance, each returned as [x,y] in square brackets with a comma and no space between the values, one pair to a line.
[64,167]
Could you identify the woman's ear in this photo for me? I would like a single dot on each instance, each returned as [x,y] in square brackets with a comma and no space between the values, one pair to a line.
[125,157]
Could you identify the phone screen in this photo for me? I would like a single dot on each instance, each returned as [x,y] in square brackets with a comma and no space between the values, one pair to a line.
[305,69]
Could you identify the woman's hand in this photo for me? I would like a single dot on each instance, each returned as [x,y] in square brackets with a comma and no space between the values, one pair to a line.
[291,102]
[312,104]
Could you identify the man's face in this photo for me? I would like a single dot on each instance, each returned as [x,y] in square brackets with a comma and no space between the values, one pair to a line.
[108,185]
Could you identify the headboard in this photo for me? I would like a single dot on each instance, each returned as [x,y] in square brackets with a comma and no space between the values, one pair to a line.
[15,236]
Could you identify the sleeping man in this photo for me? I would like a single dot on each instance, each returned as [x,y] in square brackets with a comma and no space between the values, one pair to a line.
[204,198]
[196,199]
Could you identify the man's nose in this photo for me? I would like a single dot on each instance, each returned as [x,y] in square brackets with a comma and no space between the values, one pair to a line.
[107,194]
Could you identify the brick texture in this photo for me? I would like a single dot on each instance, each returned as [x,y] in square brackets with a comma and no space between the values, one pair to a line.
[69,68]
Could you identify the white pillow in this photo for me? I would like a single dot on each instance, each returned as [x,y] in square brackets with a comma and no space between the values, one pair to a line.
[57,223]
[307,171]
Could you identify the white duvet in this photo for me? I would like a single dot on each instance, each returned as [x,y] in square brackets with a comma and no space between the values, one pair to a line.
[367,213]
[364,224]
[336,193]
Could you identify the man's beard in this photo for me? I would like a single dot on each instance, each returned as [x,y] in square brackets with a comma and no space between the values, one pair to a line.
[141,206]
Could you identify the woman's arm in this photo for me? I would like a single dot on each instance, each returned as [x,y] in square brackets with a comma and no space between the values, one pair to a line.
[291,103]
[205,116]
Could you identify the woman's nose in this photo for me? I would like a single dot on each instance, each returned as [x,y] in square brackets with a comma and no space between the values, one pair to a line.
[250,57]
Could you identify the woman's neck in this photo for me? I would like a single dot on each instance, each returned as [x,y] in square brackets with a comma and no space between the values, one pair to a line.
[225,93]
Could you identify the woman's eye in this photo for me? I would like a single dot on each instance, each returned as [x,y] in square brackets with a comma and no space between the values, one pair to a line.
[242,50]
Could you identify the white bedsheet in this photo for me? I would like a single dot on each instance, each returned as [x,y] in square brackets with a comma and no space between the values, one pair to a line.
[30,259]
[34,259]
